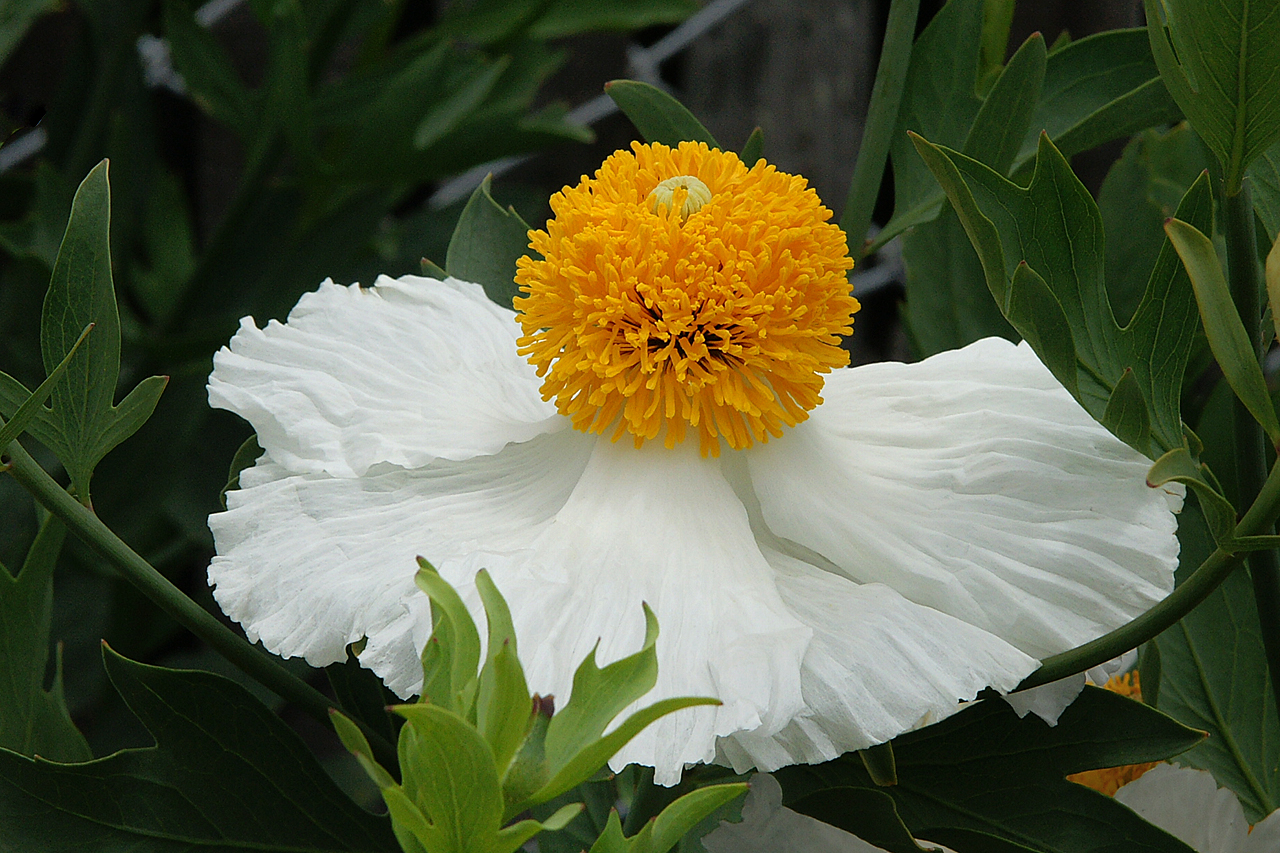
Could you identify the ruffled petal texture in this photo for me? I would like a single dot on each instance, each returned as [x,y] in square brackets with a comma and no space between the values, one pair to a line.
[405,372]
[974,484]
[930,531]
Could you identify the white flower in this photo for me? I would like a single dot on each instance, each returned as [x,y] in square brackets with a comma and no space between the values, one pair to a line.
[928,531]
[1189,805]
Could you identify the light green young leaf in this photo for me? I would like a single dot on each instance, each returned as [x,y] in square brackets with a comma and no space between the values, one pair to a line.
[513,837]
[502,701]
[658,116]
[1222,325]
[1054,227]
[34,721]
[486,244]
[666,830]
[453,648]
[1220,59]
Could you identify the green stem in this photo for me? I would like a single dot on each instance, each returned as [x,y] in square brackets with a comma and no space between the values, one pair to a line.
[882,120]
[1251,451]
[155,586]
[1195,589]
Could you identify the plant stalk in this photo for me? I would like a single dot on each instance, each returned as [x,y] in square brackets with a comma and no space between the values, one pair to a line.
[1251,451]
[155,586]
[882,120]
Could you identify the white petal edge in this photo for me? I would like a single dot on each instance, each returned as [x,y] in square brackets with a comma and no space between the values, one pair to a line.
[878,666]
[308,563]
[972,482]
[1189,805]
[407,371]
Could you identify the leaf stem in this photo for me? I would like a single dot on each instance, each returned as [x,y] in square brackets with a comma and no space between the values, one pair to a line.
[882,120]
[1251,452]
[1195,589]
[155,586]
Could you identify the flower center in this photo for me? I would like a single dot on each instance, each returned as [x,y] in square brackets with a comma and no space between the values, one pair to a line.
[678,289]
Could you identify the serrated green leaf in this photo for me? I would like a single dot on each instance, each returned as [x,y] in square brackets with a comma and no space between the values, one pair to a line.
[225,774]
[206,69]
[486,244]
[1221,62]
[986,771]
[447,771]
[1005,115]
[658,116]
[1222,325]
[34,721]
[455,638]
[753,149]
[1054,227]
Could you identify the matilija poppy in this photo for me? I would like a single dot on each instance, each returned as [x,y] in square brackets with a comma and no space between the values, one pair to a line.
[841,555]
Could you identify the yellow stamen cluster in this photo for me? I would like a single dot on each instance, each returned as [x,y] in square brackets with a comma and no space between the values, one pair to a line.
[1111,779]
[678,288]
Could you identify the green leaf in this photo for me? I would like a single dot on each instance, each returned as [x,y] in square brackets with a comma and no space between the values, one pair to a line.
[870,814]
[880,764]
[210,78]
[83,425]
[448,773]
[658,116]
[1054,227]
[568,17]
[1034,310]
[452,653]
[460,102]
[358,745]
[245,457]
[32,406]
[1178,466]
[502,701]
[983,770]
[225,774]
[1126,412]
[1221,62]
[1142,189]
[599,695]
[1004,117]
[1264,174]
[361,694]
[16,17]
[34,721]
[1222,325]
[753,149]
[486,244]
[666,830]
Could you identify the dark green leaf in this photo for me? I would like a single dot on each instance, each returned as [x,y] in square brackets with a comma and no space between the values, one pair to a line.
[1178,466]
[865,812]
[245,457]
[486,244]
[226,774]
[1264,174]
[1126,412]
[984,770]
[38,233]
[361,694]
[16,17]
[461,101]
[1222,325]
[1053,226]
[658,116]
[33,405]
[1002,120]
[1035,311]
[753,150]
[206,69]
[880,764]
[34,721]
[1221,62]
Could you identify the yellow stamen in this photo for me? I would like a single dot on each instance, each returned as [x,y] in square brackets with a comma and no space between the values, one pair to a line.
[1111,779]
[678,289]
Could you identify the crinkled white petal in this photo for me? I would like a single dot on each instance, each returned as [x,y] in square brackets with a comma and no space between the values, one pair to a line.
[1189,805]
[878,665]
[663,527]
[767,826]
[309,563]
[973,483]
[405,372]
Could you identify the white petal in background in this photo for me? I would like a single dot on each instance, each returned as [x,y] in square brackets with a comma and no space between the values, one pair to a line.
[769,827]
[1189,805]
[309,563]
[973,483]
[405,372]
